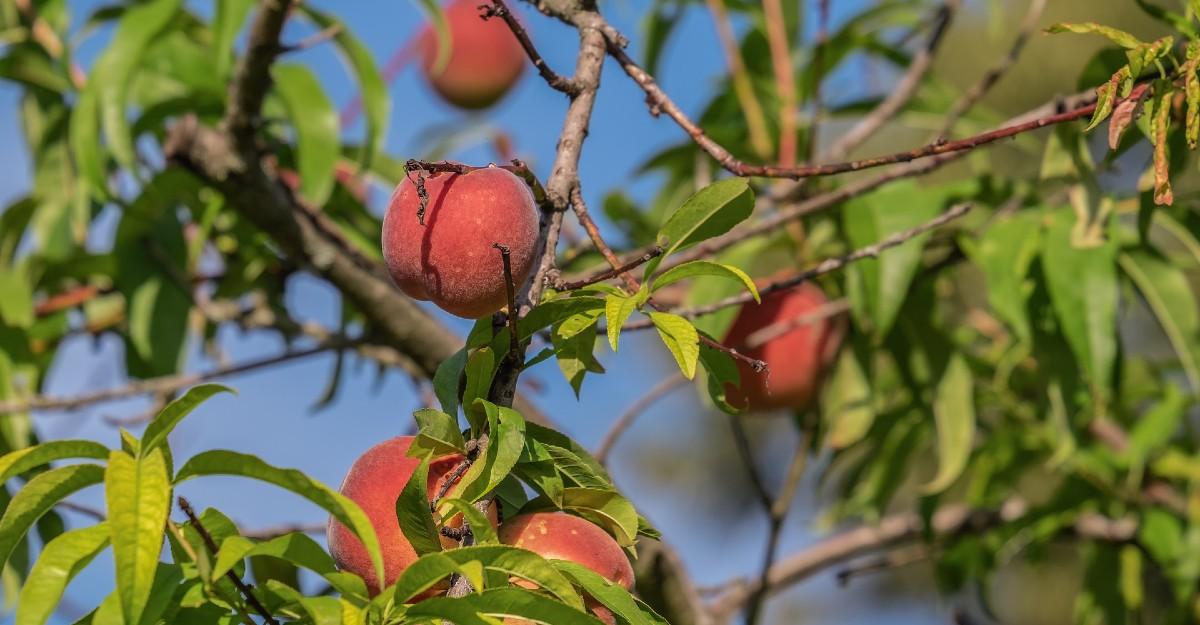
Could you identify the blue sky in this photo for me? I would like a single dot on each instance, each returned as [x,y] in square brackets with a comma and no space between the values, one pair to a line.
[271,416]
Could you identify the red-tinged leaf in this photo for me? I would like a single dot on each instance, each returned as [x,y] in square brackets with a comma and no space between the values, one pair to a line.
[1159,126]
[1122,117]
[1106,96]
[1191,77]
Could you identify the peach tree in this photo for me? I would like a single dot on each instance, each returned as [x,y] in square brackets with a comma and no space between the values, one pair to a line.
[961,348]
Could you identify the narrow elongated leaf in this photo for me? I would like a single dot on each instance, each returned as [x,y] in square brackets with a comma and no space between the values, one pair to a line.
[230,16]
[316,125]
[221,462]
[1083,290]
[372,90]
[698,268]
[847,407]
[138,496]
[17,462]
[498,603]
[617,309]
[38,496]
[1170,297]
[481,366]
[681,338]
[170,416]
[295,548]
[520,563]
[610,595]
[446,380]
[506,440]
[1119,37]
[412,512]
[954,411]
[61,560]
[16,298]
[711,212]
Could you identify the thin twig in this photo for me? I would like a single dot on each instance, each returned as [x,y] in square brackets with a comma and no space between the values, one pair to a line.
[315,39]
[889,562]
[559,83]
[785,81]
[212,547]
[992,76]
[164,384]
[901,93]
[611,272]
[627,418]
[768,333]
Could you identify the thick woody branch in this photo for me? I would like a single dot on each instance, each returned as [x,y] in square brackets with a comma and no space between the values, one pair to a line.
[253,79]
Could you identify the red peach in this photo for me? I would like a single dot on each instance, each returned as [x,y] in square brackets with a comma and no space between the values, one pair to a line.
[374,483]
[796,356]
[485,59]
[450,259]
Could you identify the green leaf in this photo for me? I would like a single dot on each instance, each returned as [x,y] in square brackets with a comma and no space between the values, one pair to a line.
[1005,252]
[954,412]
[877,287]
[316,124]
[617,309]
[499,603]
[16,298]
[421,575]
[681,338]
[1083,291]
[230,16]
[711,212]
[375,101]
[1131,577]
[1169,295]
[38,496]
[1119,37]
[720,373]
[138,494]
[481,528]
[481,367]
[221,462]
[570,457]
[506,440]
[446,379]
[521,563]
[437,434]
[170,416]
[17,462]
[294,548]
[610,595]
[555,311]
[61,560]
[1155,428]
[847,408]
[699,268]
[412,512]
[576,356]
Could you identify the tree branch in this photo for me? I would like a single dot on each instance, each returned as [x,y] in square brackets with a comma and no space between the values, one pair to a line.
[556,82]
[212,547]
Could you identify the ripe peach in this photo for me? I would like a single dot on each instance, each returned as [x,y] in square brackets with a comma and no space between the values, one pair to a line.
[561,536]
[374,482]
[485,58]
[796,356]
[449,259]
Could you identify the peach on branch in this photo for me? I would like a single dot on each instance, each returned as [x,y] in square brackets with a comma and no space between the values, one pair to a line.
[439,231]
[485,59]
[797,354]
[374,482]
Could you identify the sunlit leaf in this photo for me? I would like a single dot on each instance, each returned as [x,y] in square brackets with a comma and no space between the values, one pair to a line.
[316,124]
[61,560]
[681,338]
[138,494]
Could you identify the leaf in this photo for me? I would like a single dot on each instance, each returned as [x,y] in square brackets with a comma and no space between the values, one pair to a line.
[711,212]
[610,595]
[481,367]
[699,268]
[1191,90]
[617,309]
[138,495]
[221,462]
[108,86]
[446,379]
[316,125]
[437,434]
[877,287]
[1083,290]
[500,602]
[294,548]
[506,440]
[576,356]
[1131,577]
[437,16]
[38,496]
[61,560]
[17,462]
[372,90]
[1160,125]
[1123,117]
[847,407]
[421,575]
[481,528]
[164,423]
[954,412]
[555,311]
[520,563]
[16,298]
[230,16]
[1156,427]
[1005,252]
[721,372]
[604,507]
[1167,292]
[681,338]
[412,512]
[1119,37]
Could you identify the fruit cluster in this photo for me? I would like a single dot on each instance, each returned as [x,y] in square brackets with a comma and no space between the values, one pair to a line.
[376,480]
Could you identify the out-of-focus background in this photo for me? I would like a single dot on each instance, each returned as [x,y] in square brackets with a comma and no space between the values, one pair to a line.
[677,463]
